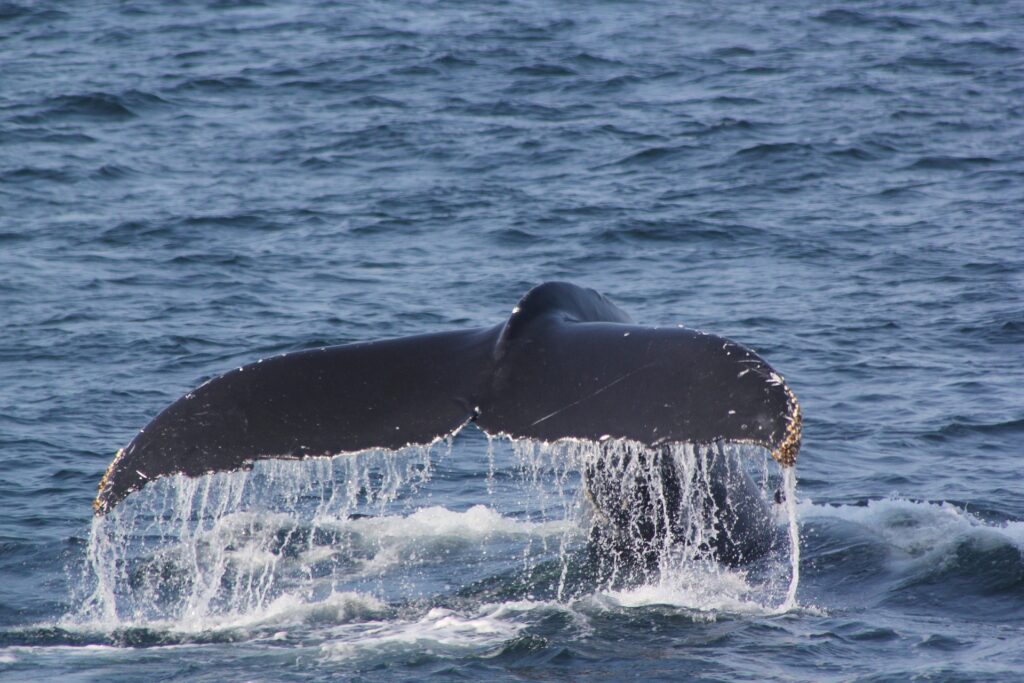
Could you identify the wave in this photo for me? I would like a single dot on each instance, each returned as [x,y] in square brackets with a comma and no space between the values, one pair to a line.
[34,174]
[771,150]
[678,231]
[855,19]
[921,554]
[917,528]
[440,632]
[950,163]
[10,11]
[657,154]
[101,106]
[963,427]
[219,85]
[543,69]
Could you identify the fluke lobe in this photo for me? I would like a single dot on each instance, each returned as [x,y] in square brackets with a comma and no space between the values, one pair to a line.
[566,364]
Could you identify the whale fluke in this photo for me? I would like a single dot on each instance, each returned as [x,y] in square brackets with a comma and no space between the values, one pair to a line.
[567,364]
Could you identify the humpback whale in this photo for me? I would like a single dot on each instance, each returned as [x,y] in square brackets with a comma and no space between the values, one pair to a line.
[567,364]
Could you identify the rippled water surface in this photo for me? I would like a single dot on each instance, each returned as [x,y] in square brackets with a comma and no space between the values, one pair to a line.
[185,187]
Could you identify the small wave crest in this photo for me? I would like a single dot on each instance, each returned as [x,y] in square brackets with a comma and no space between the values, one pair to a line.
[102,106]
[917,528]
[440,631]
[922,553]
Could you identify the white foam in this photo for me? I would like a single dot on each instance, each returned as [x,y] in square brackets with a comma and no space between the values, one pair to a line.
[439,631]
[396,539]
[707,588]
[477,523]
[292,610]
[16,653]
[288,610]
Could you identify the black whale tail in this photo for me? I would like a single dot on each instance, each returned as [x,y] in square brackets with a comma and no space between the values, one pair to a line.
[567,364]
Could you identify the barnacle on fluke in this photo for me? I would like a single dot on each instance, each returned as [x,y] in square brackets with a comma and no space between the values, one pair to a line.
[787,451]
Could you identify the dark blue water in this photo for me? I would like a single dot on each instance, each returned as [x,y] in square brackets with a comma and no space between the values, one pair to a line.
[187,187]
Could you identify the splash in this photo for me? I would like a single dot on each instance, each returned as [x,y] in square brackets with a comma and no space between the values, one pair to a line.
[356,535]
[680,525]
[194,548]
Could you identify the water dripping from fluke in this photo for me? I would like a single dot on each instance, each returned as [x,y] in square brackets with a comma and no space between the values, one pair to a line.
[694,527]
[685,525]
[789,493]
[230,543]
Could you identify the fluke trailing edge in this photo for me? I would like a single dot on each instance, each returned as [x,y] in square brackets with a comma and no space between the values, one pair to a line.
[567,364]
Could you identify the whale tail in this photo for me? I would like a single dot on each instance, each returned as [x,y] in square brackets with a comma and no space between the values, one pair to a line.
[567,364]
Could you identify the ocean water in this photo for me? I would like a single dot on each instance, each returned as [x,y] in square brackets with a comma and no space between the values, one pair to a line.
[186,187]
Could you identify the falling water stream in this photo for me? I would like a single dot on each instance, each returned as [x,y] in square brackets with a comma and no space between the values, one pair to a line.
[190,555]
[789,493]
